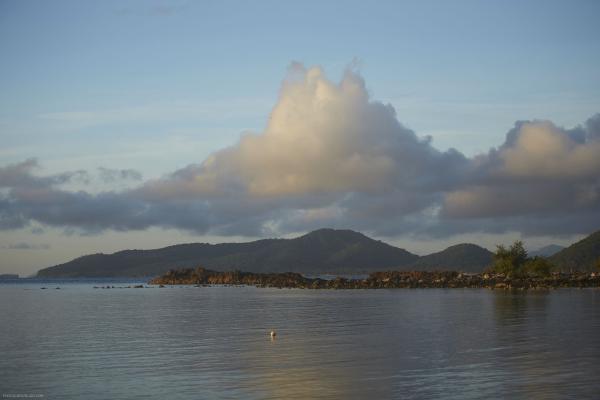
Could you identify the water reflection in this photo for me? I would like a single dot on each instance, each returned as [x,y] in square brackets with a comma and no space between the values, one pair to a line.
[532,334]
[513,307]
[315,355]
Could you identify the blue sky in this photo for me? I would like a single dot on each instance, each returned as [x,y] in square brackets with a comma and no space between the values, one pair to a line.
[156,86]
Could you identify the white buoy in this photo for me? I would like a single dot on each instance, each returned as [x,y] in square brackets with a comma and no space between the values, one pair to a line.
[273,334]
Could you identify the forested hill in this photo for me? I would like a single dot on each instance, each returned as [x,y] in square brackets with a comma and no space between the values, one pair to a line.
[583,255]
[318,252]
[321,251]
[466,257]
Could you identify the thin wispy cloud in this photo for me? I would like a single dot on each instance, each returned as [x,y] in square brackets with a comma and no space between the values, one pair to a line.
[158,112]
[25,246]
[153,10]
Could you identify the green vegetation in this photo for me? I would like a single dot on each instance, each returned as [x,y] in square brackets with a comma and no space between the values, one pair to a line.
[514,262]
[510,261]
[538,266]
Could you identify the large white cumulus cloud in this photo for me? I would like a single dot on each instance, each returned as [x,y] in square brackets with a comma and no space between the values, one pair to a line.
[321,138]
[331,156]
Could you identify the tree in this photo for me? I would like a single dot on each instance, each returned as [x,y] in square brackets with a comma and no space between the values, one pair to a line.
[510,261]
[513,261]
[538,266]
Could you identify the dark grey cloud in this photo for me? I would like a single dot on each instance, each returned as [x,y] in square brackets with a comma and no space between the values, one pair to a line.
[109,175]
[330,156]
[21,175]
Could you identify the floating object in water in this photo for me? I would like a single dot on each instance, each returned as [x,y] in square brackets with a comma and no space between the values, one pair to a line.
[273,334]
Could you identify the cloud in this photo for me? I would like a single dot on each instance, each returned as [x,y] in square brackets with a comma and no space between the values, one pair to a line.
[322,138]
[21,175]
[25,246]
[540,171]
[108,175]
[543,151]
[331,156]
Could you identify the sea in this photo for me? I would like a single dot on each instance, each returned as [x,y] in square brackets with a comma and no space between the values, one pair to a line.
[77,340]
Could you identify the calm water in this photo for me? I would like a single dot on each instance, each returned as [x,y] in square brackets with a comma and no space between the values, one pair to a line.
[205,343]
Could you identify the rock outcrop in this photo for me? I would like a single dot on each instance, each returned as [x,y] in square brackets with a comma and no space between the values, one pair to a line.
[378,280]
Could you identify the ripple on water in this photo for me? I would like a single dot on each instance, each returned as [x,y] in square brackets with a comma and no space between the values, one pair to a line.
[213,342]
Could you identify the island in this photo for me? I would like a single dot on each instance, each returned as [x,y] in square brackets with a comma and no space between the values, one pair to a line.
[328,251]
[379,280]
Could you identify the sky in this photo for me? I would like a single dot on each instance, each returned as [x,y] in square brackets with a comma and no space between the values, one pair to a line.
[141,124]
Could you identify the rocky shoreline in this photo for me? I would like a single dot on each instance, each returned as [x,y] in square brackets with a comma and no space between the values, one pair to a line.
[379,280]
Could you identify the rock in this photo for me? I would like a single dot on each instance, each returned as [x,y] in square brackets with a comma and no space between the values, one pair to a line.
[388,279]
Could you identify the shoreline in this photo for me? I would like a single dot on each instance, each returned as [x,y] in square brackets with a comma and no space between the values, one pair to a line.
[380,280]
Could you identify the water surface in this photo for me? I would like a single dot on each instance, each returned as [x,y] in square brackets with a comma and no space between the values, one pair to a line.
[212,342]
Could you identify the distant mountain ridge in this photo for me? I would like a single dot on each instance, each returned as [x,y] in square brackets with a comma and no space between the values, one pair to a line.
[546,251]
[320,251]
